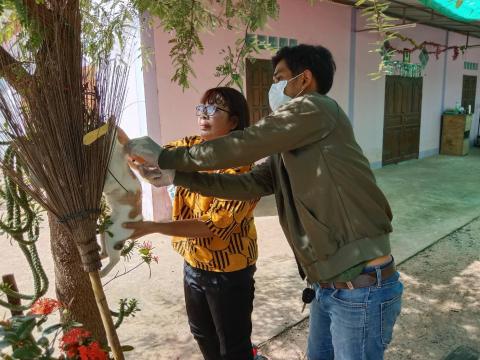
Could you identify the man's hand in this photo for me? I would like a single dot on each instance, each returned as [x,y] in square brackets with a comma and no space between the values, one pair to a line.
[156,176]
[144,151]
[143,156]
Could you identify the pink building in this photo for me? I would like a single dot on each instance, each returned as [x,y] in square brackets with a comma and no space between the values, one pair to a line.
[341,28]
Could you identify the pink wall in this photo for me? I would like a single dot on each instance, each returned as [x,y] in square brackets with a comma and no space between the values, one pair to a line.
[330,25]
[173,116]
[314,25]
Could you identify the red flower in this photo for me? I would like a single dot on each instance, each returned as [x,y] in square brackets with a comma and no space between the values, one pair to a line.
[72,340]
[92,352]
[71,351]
[76,336]
[45,306]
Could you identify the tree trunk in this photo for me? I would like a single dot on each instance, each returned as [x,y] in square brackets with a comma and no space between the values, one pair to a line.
[72,283]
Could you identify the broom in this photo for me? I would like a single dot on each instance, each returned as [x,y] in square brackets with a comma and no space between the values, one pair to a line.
[46,124]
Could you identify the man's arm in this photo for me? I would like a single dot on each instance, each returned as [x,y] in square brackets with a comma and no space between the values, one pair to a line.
[247,186]
[301,122]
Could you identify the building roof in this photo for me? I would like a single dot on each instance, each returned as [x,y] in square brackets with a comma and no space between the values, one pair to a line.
[413,11]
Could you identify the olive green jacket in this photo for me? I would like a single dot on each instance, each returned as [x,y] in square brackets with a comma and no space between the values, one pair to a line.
[331,210]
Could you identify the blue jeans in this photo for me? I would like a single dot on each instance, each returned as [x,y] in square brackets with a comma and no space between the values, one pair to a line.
[354,324]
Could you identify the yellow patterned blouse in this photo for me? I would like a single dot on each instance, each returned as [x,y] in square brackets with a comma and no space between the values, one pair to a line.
[234,244]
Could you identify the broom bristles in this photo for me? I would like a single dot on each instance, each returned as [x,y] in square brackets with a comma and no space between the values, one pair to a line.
[47,121]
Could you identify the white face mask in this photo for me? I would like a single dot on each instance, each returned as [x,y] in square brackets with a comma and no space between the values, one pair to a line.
[276,95]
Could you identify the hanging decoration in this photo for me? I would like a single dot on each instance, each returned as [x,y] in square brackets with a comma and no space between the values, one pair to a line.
[382,24]
[424,57]
[405,68]
[462,10]
[401,68]
[436,48]
[406,56]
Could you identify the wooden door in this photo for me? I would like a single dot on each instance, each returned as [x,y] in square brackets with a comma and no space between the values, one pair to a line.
[403,107]
[469,90]
[259,74]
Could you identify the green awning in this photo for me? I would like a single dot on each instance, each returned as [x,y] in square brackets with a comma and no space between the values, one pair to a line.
[469,10]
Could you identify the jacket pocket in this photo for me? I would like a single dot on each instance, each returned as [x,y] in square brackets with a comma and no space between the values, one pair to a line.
[319,237]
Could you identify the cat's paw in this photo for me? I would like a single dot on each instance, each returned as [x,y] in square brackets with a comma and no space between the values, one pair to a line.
[156,176]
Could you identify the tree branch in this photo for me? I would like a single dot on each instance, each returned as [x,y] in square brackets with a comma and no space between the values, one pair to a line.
[13,72]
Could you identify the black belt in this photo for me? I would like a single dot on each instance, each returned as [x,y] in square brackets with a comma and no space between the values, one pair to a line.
[362,280]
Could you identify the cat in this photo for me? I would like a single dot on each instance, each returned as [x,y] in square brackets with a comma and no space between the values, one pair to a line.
[123,193]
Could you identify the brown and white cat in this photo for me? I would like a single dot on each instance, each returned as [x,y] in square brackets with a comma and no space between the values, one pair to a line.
[123,192]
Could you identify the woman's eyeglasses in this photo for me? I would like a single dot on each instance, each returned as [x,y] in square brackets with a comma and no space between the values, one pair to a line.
[209,110]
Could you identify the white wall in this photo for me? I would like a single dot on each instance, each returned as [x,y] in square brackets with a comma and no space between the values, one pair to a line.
[439,91]
[369,96]
[455,72]
[433,83]
[134,117]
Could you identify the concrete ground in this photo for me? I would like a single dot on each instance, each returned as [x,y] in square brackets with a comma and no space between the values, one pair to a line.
[430,198]
[440,306]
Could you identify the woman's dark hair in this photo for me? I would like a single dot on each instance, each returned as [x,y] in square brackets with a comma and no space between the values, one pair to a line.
[317,59]
[231,98]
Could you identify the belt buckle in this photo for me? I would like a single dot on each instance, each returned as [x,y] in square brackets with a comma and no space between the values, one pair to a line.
[349,285]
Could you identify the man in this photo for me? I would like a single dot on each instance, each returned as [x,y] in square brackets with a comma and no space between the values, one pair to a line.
[334,216]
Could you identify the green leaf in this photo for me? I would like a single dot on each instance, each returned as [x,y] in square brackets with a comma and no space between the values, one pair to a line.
[360,2]
[43,342]
[27,352]
[51,329]
[40,322]
[25,330]
[12,338]
[126,348]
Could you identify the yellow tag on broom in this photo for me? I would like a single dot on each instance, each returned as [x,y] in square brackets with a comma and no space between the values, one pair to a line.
[94,135]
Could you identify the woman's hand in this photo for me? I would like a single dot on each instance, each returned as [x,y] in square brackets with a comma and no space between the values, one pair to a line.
[189,228]
[141,228]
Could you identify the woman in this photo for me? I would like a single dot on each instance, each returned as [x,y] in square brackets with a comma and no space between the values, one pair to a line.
[217,239]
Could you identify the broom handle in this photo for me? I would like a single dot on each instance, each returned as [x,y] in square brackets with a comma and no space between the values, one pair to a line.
[106,317]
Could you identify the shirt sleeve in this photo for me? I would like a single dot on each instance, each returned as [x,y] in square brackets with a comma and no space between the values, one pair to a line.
[247,186]
[299,123]
[187,141]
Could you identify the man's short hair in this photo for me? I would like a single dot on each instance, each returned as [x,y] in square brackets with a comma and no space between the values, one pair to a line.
[317,59]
